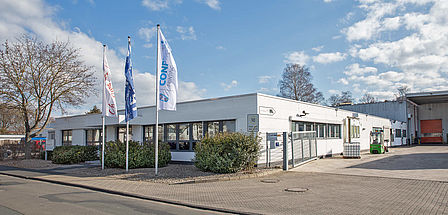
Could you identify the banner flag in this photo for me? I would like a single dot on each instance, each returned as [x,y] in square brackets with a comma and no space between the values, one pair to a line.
[167,71]
[130,100]
[109,103]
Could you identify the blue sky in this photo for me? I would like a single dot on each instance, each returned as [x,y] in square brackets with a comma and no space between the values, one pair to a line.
[233,47]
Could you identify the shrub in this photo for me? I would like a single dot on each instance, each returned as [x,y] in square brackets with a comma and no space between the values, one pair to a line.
[227,153]
[74,154]
[49,155]
[140,155]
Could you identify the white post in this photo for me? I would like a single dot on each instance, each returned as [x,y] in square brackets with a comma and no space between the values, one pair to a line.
[156,138]
[104,141]
[127,146]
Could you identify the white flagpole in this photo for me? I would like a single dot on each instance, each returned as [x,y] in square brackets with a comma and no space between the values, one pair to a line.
[104,109]
[127,146]
[156,138]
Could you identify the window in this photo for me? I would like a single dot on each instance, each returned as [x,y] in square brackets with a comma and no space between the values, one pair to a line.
[404,133]
[212,128]
[122,134]
[51,135]
[184,136]
[197,131]
[171,136]
[148,133]
[94,137]
[355,131]
[321,130]
[334,131]
[397,133]
[67,137]
[228,126]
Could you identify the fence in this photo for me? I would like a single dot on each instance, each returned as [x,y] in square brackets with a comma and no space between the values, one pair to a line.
[290,148]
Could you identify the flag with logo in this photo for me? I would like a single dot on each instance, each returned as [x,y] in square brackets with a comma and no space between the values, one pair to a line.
[109,103]
[167,71]
[130,101]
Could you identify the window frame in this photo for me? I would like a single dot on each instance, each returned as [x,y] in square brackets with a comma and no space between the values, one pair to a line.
[67,142]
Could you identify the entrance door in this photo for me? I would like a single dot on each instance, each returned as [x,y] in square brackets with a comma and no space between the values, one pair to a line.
[431,131]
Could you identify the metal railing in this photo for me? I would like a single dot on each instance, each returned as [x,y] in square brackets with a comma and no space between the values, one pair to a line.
[289,148]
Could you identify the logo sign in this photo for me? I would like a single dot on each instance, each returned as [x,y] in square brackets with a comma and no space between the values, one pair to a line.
[267,111]
[252,122]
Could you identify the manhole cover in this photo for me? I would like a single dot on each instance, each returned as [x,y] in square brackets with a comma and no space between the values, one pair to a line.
[270,180]
[296,189]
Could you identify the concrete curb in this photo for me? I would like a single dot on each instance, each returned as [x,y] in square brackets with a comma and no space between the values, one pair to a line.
[229,178]
[115,192]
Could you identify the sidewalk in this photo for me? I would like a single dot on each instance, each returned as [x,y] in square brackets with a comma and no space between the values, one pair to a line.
[326,194]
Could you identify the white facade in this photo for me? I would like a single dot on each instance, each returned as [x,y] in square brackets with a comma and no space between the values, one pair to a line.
[275,115]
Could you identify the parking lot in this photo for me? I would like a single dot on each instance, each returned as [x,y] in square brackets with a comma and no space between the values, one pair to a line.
[422,162]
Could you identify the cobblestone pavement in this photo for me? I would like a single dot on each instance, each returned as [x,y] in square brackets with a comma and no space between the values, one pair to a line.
[327,193]
[428,162]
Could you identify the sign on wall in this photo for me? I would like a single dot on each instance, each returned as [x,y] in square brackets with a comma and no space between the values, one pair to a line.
[267,111]
[252,122]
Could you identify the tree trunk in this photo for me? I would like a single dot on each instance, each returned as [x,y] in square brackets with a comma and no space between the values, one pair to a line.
[27,145]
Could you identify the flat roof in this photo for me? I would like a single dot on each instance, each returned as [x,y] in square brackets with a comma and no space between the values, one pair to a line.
[428,97]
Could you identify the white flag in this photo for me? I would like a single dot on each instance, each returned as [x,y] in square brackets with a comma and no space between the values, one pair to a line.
[109,104]
[167,71]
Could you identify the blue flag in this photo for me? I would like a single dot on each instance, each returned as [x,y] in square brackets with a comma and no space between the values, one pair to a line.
[130,101]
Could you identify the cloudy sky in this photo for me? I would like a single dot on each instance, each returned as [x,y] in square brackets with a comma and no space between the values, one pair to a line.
[233,47]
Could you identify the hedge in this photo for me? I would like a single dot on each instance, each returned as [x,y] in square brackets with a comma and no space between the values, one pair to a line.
[140,155]
[74,154]
[227,152]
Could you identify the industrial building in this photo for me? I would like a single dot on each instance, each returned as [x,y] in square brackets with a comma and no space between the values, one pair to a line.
[426,115]
[258,113]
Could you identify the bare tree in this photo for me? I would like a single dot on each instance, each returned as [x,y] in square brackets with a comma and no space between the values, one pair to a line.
[367,98]
[344,98]
[401,94]
[11,121]
[38,78]
[296,84]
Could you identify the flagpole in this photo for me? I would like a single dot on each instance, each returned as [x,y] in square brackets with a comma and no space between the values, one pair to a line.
[156,138]
[127,126]
[103,112]
[127,146]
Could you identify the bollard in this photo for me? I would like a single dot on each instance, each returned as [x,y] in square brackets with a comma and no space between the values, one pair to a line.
[285,152]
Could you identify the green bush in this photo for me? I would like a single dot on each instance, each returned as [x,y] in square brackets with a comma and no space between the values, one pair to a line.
[227,153]
[74,154]
[49,155]
[140,155]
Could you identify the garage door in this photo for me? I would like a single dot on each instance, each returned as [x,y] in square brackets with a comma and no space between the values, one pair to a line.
[431,131]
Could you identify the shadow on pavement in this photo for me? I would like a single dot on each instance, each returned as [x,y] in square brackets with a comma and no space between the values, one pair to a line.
[408,162]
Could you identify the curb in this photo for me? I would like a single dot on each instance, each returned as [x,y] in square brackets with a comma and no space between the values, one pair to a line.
[173,202]
[229,178]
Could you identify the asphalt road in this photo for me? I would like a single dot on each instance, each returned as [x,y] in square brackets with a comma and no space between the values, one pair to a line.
[21,196]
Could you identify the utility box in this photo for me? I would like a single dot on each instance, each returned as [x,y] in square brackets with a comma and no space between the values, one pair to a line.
[352,150]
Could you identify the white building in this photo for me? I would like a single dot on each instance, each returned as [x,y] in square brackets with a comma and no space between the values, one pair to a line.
[194,119]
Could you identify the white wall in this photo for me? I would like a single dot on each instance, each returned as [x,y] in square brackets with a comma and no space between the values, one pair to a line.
[287,111]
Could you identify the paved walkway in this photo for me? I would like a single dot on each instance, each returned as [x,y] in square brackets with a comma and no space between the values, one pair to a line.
[419,162]
[326,193]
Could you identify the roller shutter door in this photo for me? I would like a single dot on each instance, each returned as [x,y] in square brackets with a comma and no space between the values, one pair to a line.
[431,131]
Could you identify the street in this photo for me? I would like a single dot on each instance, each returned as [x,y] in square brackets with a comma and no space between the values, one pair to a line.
[21,196]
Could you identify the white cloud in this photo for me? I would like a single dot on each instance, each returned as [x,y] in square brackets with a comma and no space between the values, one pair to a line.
[264,79]
[325,58]
[355,69]
[214,4]
[35,16]
[155,4]
[317,49]
[297,57]
[186,33]
[333,91]
[229,86]
[343,81]
[415,54]
[328,1]
[147,34]
[220,47]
